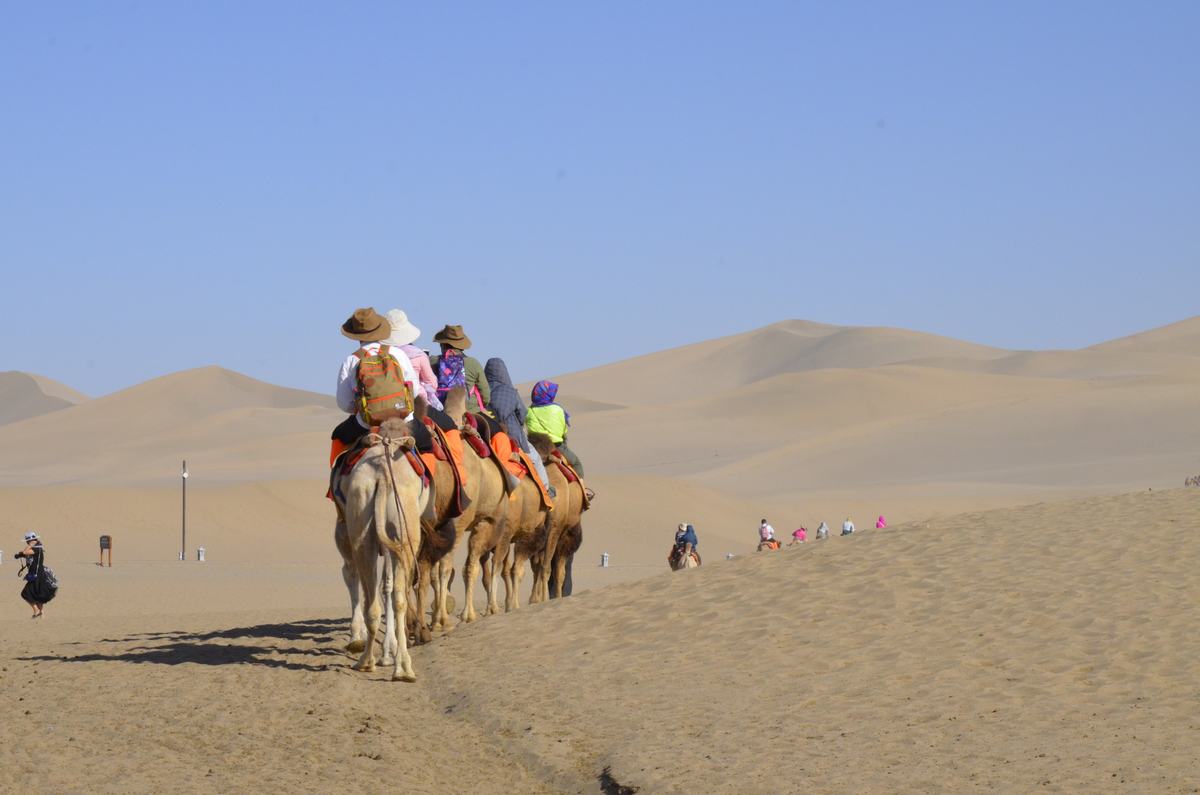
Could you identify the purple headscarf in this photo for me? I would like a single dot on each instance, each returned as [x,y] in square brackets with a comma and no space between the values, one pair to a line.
[544,393]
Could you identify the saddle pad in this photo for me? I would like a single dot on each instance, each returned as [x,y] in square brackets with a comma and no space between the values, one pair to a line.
[503,448]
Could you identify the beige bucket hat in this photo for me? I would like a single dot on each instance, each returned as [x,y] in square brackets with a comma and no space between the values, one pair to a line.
[403,331]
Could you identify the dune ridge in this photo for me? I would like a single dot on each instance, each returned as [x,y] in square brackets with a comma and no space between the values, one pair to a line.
[1008,650]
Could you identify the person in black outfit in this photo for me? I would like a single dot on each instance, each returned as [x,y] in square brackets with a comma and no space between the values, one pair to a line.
[37,591]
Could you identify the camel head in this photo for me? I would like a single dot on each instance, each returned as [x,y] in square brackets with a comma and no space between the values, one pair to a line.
[455,404]
[541,442]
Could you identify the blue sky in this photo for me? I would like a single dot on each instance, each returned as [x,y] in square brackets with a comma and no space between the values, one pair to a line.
[576,183]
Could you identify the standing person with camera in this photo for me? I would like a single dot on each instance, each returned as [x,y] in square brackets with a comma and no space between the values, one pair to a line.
[38,588]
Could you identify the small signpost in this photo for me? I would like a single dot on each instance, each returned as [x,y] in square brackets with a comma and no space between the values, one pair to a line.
[106,546]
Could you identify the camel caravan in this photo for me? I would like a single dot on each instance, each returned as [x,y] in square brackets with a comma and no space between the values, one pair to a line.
[424,465]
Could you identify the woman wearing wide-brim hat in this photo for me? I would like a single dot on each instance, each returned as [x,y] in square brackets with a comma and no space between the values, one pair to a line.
[454,342]
[403,335]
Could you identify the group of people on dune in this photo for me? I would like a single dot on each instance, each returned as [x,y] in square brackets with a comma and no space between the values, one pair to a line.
[686,543]
[386,339]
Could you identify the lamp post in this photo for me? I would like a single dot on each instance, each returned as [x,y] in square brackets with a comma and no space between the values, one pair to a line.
[183,538]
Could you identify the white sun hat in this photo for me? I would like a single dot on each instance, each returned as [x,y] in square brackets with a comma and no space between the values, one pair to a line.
[31,536]
[403,331]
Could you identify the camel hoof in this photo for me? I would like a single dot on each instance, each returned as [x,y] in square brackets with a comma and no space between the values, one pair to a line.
[404,677]
[366,668]
[356,646]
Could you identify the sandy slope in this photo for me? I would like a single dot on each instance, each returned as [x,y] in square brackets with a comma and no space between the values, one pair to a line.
[1048,648]
[23,395]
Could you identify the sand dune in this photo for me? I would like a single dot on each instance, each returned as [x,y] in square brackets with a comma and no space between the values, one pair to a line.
[229,425]
[23,395]
[791,346]
[1182,338]
[1048,648]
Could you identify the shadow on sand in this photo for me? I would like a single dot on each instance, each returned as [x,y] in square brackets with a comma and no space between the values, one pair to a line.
[206,648]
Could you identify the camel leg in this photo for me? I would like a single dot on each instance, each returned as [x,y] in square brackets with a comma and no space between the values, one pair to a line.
[402,571]
[506,571]
[503,538]
[560,573]
[358,630]
[518,574]
[422,631]
[542,584]
[471,569]
[389,623]
[365,558]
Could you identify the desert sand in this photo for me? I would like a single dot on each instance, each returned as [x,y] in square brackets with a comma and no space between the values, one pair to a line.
[1025,623]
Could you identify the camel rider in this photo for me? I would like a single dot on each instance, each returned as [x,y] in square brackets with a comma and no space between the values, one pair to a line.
[403,335]
[369,329]
[685,542]
[455,368]
[550,419]
[510,412]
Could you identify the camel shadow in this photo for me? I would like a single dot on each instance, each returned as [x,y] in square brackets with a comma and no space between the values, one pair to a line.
[205,648]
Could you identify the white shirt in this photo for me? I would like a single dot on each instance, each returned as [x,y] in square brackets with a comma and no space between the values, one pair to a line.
[847,526]
[766,532]
[347,384]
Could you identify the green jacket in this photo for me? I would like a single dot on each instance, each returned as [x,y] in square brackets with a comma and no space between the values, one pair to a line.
[475,381]
[549,420]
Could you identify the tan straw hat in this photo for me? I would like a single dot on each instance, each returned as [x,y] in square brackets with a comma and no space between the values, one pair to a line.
[403,331]
[454,337]
[366,325]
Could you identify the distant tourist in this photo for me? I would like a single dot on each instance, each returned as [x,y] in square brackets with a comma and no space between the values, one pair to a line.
[822,531]
[683,552]
[847,527]
[40,587]
[799,536]
[880,523]
[766,537]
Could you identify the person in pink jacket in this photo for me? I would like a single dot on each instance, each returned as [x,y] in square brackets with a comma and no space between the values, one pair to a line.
[404,334]
[880,523]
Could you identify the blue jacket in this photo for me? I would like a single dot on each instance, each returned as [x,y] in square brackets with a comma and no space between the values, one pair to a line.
[686,537]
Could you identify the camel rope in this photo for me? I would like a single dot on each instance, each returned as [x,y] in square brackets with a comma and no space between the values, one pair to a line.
[404,442]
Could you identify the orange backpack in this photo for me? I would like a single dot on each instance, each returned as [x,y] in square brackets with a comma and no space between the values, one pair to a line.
[383,392]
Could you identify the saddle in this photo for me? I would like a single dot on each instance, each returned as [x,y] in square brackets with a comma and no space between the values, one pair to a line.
[676,553]
[447,447]
[571,475]
[516,464]
[481,439]
[349,458]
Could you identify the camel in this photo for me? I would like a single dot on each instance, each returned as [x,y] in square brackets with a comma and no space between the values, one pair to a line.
[482,523]
[564,521]
[380,501]
[527,520]
[680,562]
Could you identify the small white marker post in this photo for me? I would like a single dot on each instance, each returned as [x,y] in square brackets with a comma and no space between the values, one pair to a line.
[183,528]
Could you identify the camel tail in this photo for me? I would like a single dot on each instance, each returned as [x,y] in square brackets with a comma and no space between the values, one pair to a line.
[383,493]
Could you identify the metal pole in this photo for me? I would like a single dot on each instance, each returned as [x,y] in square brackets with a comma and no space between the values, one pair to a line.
[183,539]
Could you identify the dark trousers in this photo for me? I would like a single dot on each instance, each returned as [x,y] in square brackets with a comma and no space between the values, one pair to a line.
[572,459]
[349,431]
